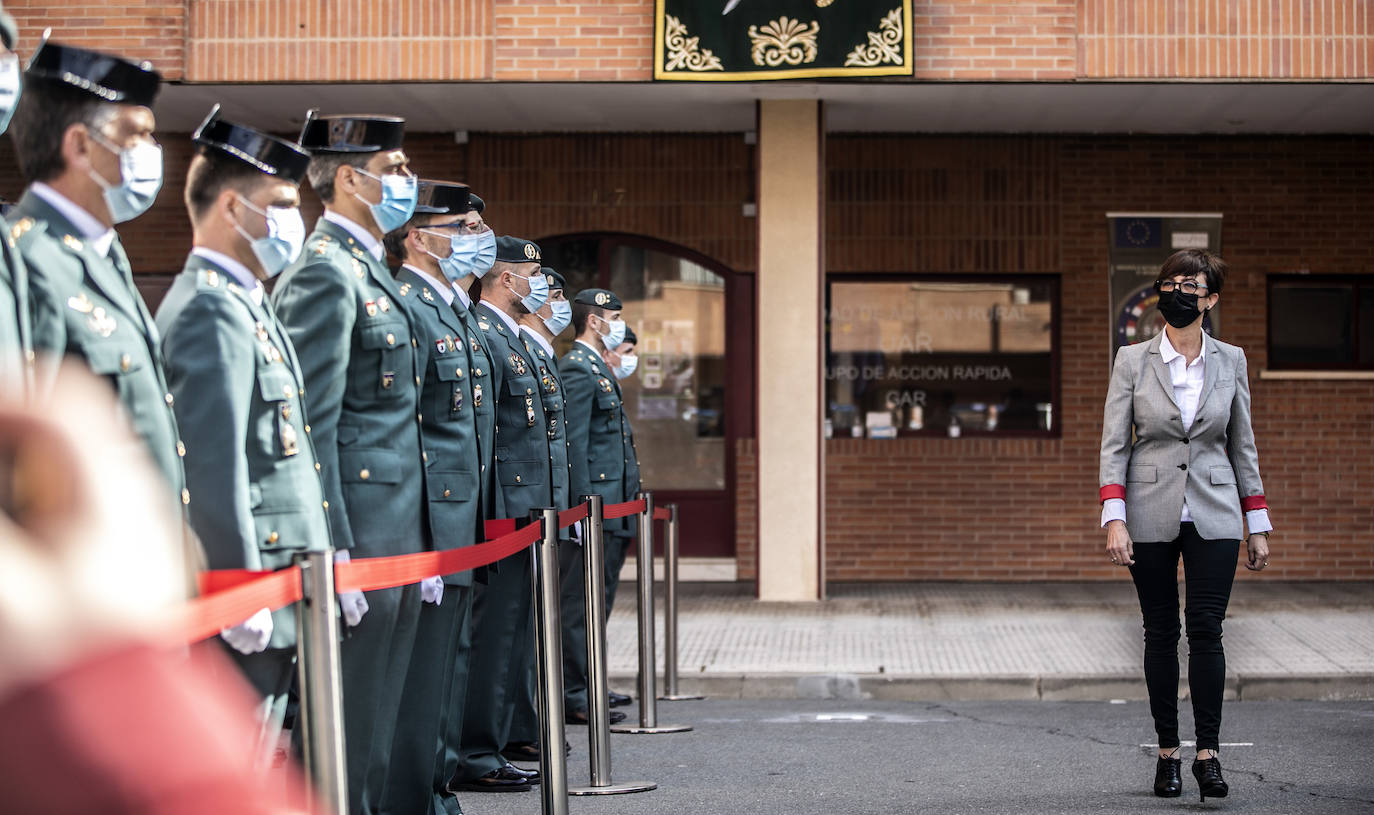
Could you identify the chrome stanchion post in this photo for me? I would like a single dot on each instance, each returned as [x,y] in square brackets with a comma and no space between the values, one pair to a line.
[317,662]
[670,544]
[598,701]
[648,668]
[549,659]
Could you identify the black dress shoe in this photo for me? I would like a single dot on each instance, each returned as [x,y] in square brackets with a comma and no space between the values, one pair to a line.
[531,776]
[580,717]
[620,699]
[505,779]
[1169,777]
[521,751]
[1207,771]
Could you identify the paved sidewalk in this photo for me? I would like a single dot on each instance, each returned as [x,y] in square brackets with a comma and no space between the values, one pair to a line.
[984,641]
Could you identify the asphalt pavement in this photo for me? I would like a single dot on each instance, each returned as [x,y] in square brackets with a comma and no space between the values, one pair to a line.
[823,757]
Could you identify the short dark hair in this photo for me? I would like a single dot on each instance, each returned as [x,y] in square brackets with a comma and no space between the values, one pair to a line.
[1194,262]
[47,108]
[395,240]
[324,167]
[580,312]
[211,173]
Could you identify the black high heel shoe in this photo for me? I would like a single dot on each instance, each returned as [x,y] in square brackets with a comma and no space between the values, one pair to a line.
[1169,777]
[1207,771]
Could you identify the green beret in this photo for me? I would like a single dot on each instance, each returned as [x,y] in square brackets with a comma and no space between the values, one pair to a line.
[601,298]
[517,250]
[555,279]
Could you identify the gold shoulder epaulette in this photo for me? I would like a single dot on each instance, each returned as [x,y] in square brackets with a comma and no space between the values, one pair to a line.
[405,289]
[18,229]
[322,245]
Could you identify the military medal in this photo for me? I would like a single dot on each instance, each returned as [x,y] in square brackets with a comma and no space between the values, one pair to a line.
[371,308]
[440,346]
[529,411]
[517,363]
[476,349]
[476,396]
[80,303]
[100,322]
[289,445]
[261,331]
[388,378]
[452,345]
[457,399]
[383,304]
[425,294]
[553,428]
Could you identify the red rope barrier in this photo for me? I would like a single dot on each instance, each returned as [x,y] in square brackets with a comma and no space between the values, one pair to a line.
[568,517]
[370,574]
[623,510]
[662,514]
[205,616]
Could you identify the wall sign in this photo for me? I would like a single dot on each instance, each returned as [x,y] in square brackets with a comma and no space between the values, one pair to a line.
[749,40]
[1139,244]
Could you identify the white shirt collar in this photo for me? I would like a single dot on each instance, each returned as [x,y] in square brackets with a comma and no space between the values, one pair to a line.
[543,343]
[462,296]
[506,318]
[590,347]
[96,234]
[234,269]
[445,292]
[371,244]
[1169,354]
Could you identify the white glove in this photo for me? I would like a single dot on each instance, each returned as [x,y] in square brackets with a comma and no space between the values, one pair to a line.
[577,532]
[252,635]
[432,590]
[352,603]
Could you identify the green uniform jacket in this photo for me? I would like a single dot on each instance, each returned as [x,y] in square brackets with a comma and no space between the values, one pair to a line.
[451,433]
[238,392]
[551,390]
[16,328]
[85,305]
[484,396]
[601,445]
[524,476]
[362,391]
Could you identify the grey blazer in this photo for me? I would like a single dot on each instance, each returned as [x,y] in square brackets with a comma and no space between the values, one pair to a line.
[1213,463]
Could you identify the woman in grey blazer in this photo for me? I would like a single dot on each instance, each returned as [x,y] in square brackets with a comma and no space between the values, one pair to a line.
[1179,477]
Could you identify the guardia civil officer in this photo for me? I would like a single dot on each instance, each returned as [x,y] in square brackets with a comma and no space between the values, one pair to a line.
[357,350]
[437,250]
[238,385]
[16,329]
[503,628]
[602,453]
[84,137]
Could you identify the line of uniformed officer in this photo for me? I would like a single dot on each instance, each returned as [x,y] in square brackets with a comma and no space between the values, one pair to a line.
[350,410]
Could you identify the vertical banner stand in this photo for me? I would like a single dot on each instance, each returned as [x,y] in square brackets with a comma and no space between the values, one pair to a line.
[598,702]
[549,660]
[317,662]
[648,669]
[670,562]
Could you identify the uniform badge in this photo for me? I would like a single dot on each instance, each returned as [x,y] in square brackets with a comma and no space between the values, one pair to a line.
[457,399]
[383,304]
[440,346]
[388,379]
[261,331]
[602,299]
[595,369]
[370,307]
[212,279]
[529,411]
[452,343]
[357,268]
[425,293]
[289,443]
[476,395]
[80,303]
[517,363]
[605,384]
[553,428]
[405,289]
[550,386]
[321,246]
[17,231]
[531,252]
[100,322]
[476,348]
[71,243]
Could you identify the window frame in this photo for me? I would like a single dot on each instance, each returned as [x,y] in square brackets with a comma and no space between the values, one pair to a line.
[1055,283]
[1356,281]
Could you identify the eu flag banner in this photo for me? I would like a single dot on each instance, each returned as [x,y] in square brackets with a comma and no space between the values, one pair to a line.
[749,40]
[1138,233]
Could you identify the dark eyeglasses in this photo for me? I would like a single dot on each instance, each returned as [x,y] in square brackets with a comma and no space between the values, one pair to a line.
[1187,286]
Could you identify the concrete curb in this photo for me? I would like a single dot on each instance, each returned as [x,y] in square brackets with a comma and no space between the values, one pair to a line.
[1050,688]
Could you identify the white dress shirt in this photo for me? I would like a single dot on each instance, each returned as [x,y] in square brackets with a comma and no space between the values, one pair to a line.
[1187,379]
[361,235]
[236,270]
[462,296]
[95,233]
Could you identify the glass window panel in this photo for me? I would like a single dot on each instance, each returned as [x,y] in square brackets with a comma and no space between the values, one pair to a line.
[676,399]
[1311,324]
[941,357]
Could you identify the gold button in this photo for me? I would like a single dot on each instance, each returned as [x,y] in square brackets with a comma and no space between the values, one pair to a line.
[317,466]
[478,372]
[364,473]
[603,475]
[169,399]
[125,362]
[302,391]
[459,372]
[286,391]
[417,380]
[181,449]
[517,479]
[272,538]
[307,428]
[326,504]
[424,456]
[185,496]
[447,493]
[390,339]
[413,343]
[419,417]
[528,391]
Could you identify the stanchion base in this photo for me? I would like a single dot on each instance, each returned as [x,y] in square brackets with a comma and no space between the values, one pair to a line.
[680,697]
[662,728]
[614,789]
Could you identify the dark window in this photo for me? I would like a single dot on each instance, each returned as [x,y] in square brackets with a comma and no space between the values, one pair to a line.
[942,356]
[1321,323]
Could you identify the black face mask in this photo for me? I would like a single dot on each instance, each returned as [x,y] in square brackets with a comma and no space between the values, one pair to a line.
[1179,309]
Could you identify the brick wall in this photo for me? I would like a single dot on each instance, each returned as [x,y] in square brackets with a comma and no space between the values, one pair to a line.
[590,40]
[1011,39]
[144,30]
[1026,509]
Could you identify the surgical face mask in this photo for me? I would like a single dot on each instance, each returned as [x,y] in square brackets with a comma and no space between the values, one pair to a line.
[140,173]
[561,319]
[613,338]
[628,363]
[539,292]
[284,239]
[486,253]
[10,87]
[462,256]
[1179,309]
[398,199]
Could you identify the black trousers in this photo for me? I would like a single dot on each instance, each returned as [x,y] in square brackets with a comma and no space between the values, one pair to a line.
[1209,568]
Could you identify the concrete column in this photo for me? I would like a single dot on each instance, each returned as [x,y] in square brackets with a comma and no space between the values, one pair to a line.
[790,349]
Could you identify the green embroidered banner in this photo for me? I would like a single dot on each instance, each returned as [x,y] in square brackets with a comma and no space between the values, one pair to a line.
[749,40]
